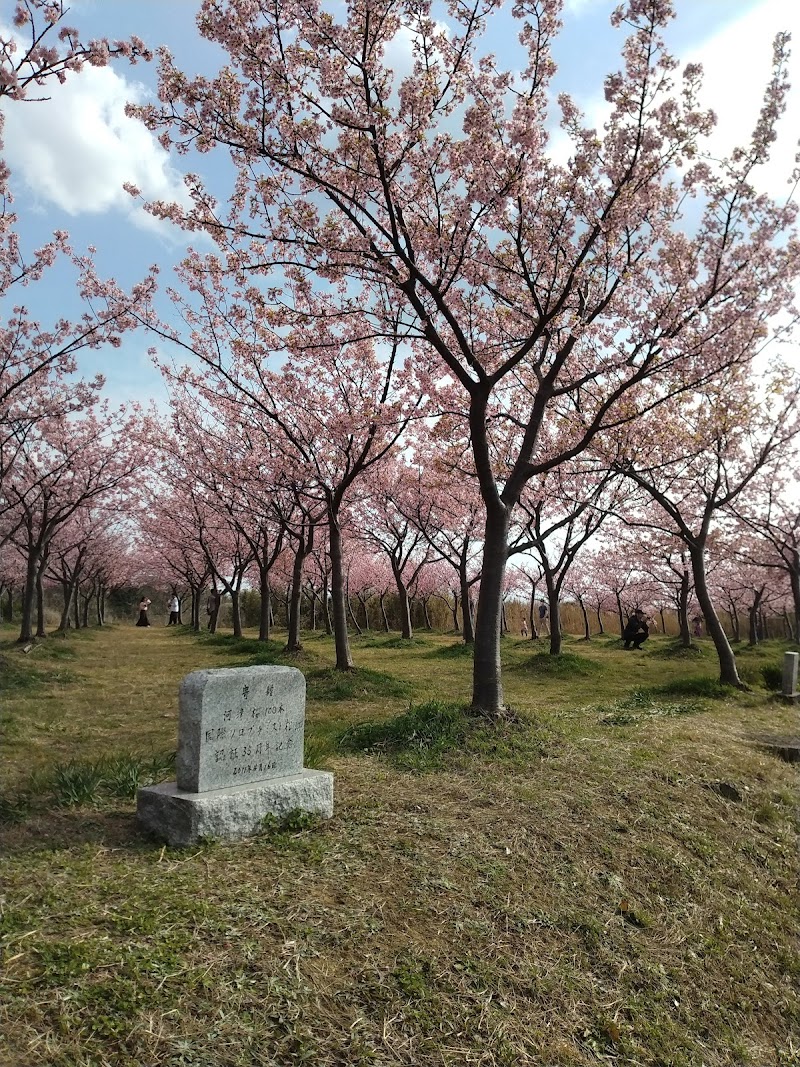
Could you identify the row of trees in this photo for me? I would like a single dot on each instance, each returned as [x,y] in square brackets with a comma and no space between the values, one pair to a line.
[424,338]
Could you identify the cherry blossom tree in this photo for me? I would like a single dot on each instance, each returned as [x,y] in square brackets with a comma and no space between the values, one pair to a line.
[704,457]
[428,202]
[563,510]
[37,361]
[774,516]
[69,464]
[384,517]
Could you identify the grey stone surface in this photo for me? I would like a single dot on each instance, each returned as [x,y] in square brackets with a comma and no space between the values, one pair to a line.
[789,684]
[182,818]
[240,757]
[239,725]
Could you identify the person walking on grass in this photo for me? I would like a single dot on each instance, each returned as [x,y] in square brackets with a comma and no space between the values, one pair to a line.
[636,630]
[144,604]
[174,610]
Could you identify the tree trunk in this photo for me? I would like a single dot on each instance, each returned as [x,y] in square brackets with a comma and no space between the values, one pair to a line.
[352,614]
[29,597]
[587,635]
[728,674]
[467,624]
[428,624]
[86,601]
[794,579]
[326,602]
[454,611]
[264,612]
[663,621]
[620,613]
[406,630]
[532,613]
[382,599]
[683,611]
[503,620]
[555,616]
[487,683]
[67,587]
[236,611]
[600,626]
[344,659]
[41,630]
[293,623]
[213,618]
[734,615]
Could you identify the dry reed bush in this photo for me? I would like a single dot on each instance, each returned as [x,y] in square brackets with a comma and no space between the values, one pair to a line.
[558,890]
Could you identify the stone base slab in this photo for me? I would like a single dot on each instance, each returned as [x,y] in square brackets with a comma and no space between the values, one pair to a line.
[232,813]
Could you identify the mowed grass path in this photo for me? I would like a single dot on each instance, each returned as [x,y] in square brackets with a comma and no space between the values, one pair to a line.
[610,877]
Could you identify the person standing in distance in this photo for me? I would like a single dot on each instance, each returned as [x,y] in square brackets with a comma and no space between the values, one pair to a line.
[144,604]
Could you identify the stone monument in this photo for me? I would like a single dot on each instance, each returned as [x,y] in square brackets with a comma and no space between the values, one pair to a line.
[789,681]
[240,758]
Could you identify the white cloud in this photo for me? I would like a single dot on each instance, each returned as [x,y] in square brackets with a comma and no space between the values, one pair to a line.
[737,64]
[76,149]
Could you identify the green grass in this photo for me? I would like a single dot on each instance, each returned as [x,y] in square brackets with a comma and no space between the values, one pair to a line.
[361,683]
[556,889]
[415,739]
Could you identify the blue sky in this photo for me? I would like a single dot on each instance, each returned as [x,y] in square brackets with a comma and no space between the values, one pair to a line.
[70,155]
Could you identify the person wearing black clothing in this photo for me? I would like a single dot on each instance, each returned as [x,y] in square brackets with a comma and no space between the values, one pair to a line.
[636,630]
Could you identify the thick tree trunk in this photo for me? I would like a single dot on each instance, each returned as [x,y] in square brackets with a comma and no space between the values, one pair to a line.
[404,605]
[487,683]
[728,674]
[29,597]
[86,601]
[344,659]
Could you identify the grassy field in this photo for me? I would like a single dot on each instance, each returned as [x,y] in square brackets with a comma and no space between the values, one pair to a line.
[608,877]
